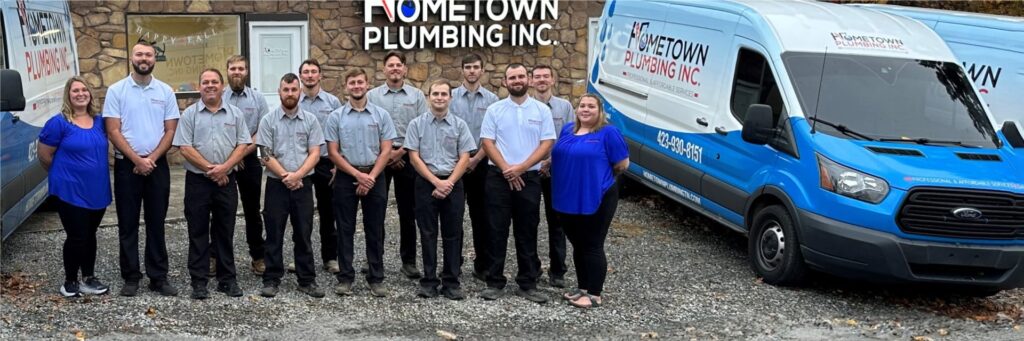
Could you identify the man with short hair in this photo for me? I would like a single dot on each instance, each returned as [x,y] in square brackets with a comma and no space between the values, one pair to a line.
[213,138]
[517,134]
[439,146]
[543,81]
[249,175]
[141,115]
[404,102]
[290,141]
[321,103]
[359,138]
[469,102]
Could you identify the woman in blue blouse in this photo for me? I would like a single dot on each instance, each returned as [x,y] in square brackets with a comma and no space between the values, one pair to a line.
[585,161]
[73,148]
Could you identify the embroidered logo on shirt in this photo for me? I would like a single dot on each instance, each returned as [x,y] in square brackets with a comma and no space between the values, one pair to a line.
[157,101]
[534,122]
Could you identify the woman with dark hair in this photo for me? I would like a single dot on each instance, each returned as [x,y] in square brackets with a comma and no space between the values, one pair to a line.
[73,148]
[585,161]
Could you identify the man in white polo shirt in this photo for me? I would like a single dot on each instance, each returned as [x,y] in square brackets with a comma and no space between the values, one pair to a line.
[517,133]
[141,116]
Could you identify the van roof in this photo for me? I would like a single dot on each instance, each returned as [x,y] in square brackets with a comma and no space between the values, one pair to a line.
[997,31]
[1003,22]
[812,26]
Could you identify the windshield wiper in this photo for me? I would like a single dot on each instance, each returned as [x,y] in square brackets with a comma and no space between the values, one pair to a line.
[841,128]
[927,141]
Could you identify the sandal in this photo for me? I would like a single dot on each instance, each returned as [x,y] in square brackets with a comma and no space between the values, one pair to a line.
[573,295]
[593,301]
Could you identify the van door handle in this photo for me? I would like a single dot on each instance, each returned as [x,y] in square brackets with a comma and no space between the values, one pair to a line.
[721,131]
[15,119]
[702,121]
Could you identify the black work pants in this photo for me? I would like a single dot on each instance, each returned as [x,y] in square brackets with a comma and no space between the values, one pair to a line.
[405,198]
[556,234]
[476,200]
[325,208]
[375,204]
[521,209]
[588,233]
[132,193]
[280,205]
[80,225]
[210,214]
[428,212]
[250,179]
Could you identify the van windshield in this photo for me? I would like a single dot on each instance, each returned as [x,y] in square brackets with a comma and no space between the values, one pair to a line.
[889,99]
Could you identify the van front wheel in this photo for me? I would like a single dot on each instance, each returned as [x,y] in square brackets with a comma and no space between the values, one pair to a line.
[775,248]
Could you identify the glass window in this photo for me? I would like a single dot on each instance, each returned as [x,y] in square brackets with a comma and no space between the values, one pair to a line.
[754,84]
[187,44]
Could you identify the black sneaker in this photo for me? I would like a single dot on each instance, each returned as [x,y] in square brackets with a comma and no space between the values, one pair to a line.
[70,289]
[410,271]
[163,287]
[230,289]
[130,289]
[454,294]
[92,286]
[556,282]
[312,290]
[378,290]
[427,292]
[491,294]
[269,290]
[532,295]
[199,292]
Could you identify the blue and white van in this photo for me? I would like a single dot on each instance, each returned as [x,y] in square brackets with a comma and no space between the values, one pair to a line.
[38,56]
[838,139]
[990,47]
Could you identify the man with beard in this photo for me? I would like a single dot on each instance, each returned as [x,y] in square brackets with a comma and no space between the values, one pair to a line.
[517,133]
[250,172]
[542,79]
[404,102]
[359,141]
[470,102]
[213,138]
[290,141]
[141,116]
[320,103]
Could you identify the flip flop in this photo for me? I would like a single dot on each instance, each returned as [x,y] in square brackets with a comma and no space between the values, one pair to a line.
[573,295]
[594,303]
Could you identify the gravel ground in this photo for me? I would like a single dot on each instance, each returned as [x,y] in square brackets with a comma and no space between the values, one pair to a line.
[672,274]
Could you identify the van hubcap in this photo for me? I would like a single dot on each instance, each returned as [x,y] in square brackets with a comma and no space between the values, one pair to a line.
[773,245]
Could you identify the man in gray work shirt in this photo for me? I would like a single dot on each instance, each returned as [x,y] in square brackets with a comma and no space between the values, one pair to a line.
[213,137]
[470,102]
[320,103]
[404,102]
[543,81]
[439,146]
[249,175]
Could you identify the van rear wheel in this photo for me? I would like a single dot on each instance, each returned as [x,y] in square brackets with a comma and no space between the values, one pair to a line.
[775,248]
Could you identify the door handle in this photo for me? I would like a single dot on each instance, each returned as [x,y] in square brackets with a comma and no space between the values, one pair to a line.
[721,131]
[702,121]
[15,119]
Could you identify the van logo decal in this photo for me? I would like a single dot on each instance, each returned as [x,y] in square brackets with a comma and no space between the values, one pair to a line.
[844,40]
[967,213]
[664,56]
[983,75]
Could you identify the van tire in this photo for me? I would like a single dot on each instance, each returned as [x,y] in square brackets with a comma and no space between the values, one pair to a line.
[774,247]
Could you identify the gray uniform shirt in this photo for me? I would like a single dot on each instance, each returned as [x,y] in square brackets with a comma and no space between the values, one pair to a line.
[561,112]
[403,105]
[320,106]
[252,103]
[471,107]
[213,134]
[289,138]
[439,141]
[358,133]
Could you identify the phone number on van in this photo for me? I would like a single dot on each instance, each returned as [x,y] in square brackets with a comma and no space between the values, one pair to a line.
[679,146]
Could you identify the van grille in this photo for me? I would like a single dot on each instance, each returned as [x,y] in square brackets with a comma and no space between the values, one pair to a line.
[929,211]
[979,157]
[896,151]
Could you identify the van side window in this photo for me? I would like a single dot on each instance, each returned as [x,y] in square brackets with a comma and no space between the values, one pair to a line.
[754,84]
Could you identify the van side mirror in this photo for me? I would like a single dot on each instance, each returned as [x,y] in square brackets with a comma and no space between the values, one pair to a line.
[1012,134]
[757,126]
[11,96]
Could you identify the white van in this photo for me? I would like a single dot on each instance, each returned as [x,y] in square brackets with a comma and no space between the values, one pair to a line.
[839,139]
[991,48]
[37,54]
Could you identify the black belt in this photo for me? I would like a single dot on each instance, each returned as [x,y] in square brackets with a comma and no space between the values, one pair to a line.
[364,169]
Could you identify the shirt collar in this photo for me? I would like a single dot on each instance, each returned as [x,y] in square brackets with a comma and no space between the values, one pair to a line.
[298,113]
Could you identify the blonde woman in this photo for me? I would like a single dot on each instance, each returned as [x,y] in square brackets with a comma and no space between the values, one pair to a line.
[585,161]
[73,148]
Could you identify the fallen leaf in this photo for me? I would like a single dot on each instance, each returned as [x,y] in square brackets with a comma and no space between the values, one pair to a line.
[151,312]
[650,335]
[80,335]
[851,323]
[447,335]
[1017,328]
[922,338]
[943,332]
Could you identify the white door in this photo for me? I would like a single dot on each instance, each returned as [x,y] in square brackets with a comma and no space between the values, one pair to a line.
[276,48]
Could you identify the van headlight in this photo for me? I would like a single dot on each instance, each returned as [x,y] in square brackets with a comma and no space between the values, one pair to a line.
[845,181]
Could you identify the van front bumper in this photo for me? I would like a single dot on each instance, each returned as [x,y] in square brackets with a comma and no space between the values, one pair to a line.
[852,251]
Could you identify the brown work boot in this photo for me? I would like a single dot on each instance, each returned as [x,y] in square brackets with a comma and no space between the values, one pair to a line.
[258,267]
